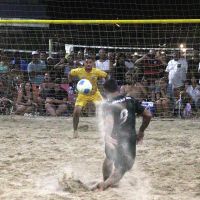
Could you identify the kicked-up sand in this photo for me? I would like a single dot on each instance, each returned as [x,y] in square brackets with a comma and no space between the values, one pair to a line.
[40,160]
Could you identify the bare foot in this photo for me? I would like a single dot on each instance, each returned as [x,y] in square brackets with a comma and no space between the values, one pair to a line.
[75,135]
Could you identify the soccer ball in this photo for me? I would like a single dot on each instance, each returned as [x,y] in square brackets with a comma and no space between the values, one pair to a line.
[84,86]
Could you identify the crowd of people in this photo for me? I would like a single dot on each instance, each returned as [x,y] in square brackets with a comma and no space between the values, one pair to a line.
[167,85]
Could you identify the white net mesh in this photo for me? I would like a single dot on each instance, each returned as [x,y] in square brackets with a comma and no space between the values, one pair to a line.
[67,44]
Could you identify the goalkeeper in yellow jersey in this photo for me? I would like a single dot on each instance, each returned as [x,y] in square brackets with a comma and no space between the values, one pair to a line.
[92,74]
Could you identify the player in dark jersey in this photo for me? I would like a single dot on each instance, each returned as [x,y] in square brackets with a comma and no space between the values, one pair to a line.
[119,116]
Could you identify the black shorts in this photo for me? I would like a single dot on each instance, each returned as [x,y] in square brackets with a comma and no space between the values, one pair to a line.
[123,155]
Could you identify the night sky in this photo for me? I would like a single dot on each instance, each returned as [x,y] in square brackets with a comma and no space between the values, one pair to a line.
[102,35]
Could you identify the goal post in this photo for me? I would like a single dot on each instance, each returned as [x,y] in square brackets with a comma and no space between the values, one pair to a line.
[134,37]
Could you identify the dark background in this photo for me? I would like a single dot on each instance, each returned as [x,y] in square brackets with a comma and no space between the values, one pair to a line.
[29,38]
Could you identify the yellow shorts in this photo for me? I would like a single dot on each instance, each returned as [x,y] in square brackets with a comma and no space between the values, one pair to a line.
[82,99]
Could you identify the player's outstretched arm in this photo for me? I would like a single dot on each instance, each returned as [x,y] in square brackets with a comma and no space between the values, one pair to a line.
[146,115]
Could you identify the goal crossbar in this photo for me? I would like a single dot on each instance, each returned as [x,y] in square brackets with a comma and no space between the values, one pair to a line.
[123,21]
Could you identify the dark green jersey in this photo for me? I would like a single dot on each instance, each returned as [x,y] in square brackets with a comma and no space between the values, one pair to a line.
[122,110]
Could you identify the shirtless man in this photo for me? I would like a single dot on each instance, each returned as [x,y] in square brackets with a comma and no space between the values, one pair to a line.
[132,87]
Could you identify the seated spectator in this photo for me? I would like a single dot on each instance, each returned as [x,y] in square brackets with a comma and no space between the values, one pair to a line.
[44,90]
[56,102]
[193,90]
[183,102]
[6,100]
[26,100]
[162,99]
[133,87]
[36,69]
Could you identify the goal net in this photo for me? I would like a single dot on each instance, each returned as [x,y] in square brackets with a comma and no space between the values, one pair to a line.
[152,50]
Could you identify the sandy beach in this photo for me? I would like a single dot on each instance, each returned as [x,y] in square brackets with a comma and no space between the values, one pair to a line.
[40,160]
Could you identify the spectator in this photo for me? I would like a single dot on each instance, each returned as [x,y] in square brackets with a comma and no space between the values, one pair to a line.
[59,68]
[119,69]
[193,90]
[6,99]
[103,63]
[133,87]
[129,62]
[56,100]
[151,65]
[4,64]
[50,66]
[26,100]
[43,57]
[18,64]
[162,99]
[193,64]
[177,70]
[70,64]
[79,59]
[44,90]
[36,69]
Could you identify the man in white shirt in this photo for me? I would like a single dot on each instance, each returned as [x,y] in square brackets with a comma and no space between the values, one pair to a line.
[103,63]
[177,69]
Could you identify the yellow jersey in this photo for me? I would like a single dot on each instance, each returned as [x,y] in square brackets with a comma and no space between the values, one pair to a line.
[92,76]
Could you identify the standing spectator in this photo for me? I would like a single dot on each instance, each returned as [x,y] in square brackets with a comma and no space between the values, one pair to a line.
[151,68]
[18,64]
[103,63]
[70,64]
[129,62]
[4,64]
[57,100]
[50,66]
[177,70]
[19,67]
[79,62]
[151,65]
[59,68]
[43,57]
[36,69]
[193,64]
[119,69]
[26,100]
